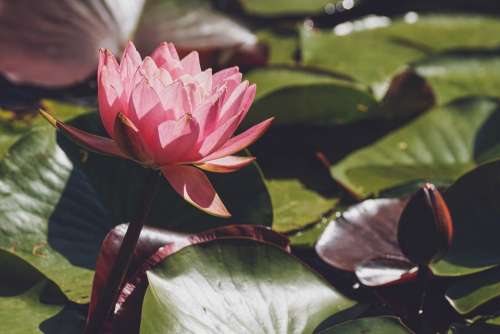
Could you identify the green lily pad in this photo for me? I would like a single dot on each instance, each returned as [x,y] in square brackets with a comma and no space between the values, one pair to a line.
[457,74]
[282,48]
[295,206]
[32,304]
[297,96]
[24,313]
[480,328]
[438,146]
[372,54]
[35,221]
[472,201]
[374,325]
[471,292]
[236,286]
[285,7]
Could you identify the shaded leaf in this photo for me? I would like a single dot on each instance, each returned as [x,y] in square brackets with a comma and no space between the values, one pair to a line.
[296,96]
[471,292]
[473,329]
[246,287]
[32,304]
[472,201]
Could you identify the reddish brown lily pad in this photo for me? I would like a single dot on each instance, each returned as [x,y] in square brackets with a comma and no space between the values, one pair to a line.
[365,231]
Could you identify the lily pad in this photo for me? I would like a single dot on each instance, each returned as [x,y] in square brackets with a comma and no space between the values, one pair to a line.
[472,201]
[32,304]
[236,286]
[54,43]
[38,224]
[375,48]
[374,325]
[471,292]
[297,96]
[457,74]
[438,146]
[364,231]
[197,25]
[286,7]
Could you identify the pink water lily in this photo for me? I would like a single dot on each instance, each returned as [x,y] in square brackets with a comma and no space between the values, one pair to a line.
[166,113]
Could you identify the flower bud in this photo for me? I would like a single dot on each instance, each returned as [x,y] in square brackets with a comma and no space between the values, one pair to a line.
[425,228]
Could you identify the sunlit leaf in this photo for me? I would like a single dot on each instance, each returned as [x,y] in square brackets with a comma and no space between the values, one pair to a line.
[438,146]
[245,287]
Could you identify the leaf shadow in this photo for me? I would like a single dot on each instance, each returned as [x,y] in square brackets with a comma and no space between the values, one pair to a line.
[79,222]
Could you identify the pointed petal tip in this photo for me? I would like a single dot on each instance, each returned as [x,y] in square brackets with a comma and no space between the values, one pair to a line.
[51,119]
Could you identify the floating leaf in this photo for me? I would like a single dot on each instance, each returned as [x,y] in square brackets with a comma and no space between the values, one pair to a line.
[54,43]
[438,146]
[296,96]
[472,201]
[152,247]
[286,7]
[385,271]
[245,287]
[471,292]
[461,73]
[375,325]
[393,44]
[364,231]
[32,304]
[196,25]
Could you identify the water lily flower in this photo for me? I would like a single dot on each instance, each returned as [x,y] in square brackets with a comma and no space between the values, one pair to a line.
[166,113]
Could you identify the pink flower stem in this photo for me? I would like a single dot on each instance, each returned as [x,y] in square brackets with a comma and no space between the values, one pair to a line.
[111,290]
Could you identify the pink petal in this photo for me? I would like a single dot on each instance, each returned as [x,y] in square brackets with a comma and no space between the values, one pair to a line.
[204,79]
[110,97]
[98,144]
[129,139]
[175,99]
[219,77]
[165,56]
[206,114]
[247,101]
[231,106]
[131,60]
[143,99]
[177,139]
[240,141]
[195,187]
[218,137]
[226,164]
[106,58]
[191,64]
